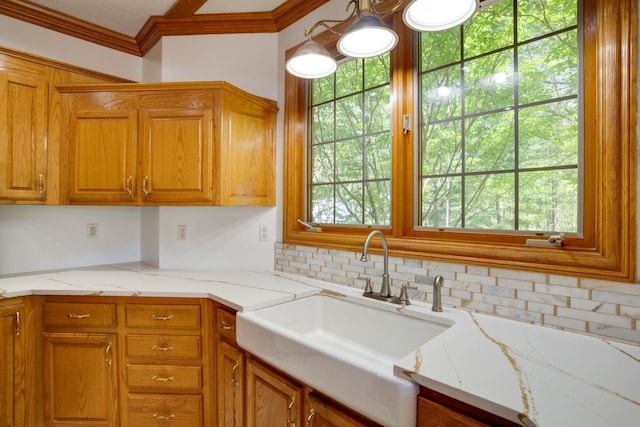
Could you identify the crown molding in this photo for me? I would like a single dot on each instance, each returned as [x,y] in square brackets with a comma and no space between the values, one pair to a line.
[179,20]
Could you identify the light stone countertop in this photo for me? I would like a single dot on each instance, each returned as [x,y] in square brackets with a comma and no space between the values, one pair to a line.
[533,375]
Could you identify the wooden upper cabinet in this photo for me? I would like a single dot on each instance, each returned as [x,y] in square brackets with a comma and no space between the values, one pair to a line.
[102,147]
[23,129]
[169,144]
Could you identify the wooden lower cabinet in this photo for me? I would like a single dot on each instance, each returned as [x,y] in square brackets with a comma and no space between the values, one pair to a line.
[230,385]
[81,379]
[271,399]
[18,358]
[128,362]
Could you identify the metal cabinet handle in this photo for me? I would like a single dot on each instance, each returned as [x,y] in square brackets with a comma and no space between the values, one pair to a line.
[17,331]
[234,370]
[154,317]
[292,412]
[163,417]
[145,185]
[162,379]
[78,316]
[226,327]
[108,353]
[41,184]
[311,419]
[128,186]
[156,348]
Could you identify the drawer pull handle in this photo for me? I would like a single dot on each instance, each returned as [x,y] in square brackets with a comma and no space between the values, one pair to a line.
[163,417]
[17,329]
[108,354]
[78,316]
[154,317]
[156,348]
[226,327]
[162,379]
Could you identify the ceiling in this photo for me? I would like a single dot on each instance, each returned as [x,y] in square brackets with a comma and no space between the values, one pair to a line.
[135,26]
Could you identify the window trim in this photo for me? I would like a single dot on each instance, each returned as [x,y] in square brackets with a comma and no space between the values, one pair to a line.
[607,249]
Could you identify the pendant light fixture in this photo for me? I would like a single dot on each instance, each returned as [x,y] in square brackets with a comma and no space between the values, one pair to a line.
[368,36]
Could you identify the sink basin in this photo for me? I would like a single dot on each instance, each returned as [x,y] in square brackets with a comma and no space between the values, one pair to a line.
[344,348]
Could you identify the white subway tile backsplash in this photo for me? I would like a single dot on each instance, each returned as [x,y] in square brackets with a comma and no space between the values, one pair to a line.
[589,306]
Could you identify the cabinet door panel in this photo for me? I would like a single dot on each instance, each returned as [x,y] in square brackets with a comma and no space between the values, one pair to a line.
[23,121]
[12,369]
[102,156]
[230,385]
[247,163]
[80,379]
[176,156]
[271,399]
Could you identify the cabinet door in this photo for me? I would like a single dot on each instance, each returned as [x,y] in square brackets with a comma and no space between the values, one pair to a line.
[80,379]
[230,385]
[102,156]
[176,156]
[23,124]
[271,399]
[13,409]
[247,155]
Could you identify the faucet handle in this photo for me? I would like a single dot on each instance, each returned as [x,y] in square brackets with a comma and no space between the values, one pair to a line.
[404,295]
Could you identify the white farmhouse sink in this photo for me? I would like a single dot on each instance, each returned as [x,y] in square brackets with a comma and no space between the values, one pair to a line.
[343,348]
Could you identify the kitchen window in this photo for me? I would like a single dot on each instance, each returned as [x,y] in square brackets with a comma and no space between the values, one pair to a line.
[446,195]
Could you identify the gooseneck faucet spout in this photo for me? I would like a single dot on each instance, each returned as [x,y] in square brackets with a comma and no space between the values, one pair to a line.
[385,290]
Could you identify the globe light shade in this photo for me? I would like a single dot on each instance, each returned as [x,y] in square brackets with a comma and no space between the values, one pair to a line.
[437,15]
[366,38]
[311,61]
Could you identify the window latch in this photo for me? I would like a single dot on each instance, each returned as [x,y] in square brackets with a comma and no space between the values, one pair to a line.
[310,227]
[554,241]
[406,123]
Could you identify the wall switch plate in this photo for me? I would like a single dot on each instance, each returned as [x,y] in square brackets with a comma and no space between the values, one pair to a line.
[263,233]
[182,232]
[92,230]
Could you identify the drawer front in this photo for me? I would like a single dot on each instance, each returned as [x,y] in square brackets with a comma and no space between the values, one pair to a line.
[226,325]
[174,411]
[162,316]
[77,314]
[164,347]
[164,377]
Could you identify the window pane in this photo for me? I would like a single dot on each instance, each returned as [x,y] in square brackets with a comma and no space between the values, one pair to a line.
[322,90]
[442,148]
[539,17]
[349,160]
[377,71]
[547,200]
[548,68]
[377,111]
[378,157]
[488,83]
[322,202]
[324,121]
[443,90]
[323,166]
[348,78]
[442,205]
[489,202]
[377,202]
[447,52]
[490,142]
[349,203]
[548,135]
[489,30]
[349,116]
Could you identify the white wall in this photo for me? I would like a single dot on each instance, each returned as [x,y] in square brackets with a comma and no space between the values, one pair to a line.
[34,238]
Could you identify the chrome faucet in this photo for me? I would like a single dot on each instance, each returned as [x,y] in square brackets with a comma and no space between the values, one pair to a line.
[437,294]
[385,289]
